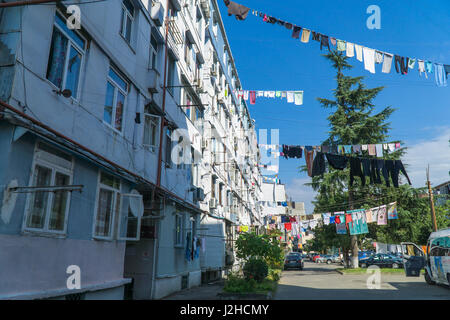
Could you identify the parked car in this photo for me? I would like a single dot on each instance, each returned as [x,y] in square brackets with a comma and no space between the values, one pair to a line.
[322,258]
[381,260]
[293,260]
[315,257]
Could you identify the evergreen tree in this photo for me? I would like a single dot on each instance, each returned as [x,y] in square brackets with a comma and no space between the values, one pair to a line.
[353,121]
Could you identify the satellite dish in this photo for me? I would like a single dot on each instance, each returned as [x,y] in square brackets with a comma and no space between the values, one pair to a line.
[136,204]
[66,93]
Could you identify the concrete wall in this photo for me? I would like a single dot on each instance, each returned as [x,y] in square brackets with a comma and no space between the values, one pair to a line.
[34,264]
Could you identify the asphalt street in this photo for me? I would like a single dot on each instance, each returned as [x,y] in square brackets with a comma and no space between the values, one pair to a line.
[322,282]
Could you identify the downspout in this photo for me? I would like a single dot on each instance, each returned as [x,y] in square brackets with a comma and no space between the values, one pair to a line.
[161,133]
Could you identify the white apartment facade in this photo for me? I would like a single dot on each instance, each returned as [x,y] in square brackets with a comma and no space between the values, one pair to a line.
[89,180]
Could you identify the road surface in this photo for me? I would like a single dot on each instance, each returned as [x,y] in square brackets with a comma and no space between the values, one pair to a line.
[322,282]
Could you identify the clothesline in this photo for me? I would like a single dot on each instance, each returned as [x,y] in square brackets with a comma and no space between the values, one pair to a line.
[353,220]
[291,96]
[369,55]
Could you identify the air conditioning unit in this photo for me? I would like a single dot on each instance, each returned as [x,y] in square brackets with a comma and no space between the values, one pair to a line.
[204,143]
[200,194]
[213,203]
[157,13]
[213,70]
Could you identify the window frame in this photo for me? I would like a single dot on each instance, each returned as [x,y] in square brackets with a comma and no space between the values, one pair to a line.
[152,148]
[114,213]
[125,13]
[54,169]
[70,43]
[179,238]
[117,88]
[153,53]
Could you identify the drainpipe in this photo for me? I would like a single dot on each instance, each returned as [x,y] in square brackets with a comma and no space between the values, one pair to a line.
[25,3]
[161,134]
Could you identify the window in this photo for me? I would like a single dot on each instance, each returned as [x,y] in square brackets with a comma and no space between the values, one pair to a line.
[170,74]
[116,90]
[168,147]
[152,125]
[153,52]
[108,200]
[131,211]
[66,55]
[47,210]
[127,20]
[179,226]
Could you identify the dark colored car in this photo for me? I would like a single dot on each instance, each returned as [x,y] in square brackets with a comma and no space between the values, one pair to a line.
[381,260]
[293,260]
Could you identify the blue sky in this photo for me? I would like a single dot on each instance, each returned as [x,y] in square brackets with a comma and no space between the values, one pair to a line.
[267,58]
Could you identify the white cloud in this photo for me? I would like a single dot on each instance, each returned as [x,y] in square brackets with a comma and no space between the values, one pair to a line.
[436,153]
[297,190]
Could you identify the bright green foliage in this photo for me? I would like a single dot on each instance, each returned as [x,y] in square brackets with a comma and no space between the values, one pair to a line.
[236,284]
[353,121]
[266,247]
[256,269]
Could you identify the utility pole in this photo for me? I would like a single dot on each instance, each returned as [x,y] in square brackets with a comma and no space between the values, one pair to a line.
[430,195]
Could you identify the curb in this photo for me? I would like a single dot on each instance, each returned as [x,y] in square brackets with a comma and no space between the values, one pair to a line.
[244,296]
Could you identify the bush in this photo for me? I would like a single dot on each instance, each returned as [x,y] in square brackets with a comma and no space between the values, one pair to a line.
[274,274]
[256,269]
[236,284]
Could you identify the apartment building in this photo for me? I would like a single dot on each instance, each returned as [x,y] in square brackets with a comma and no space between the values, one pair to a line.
[125,152]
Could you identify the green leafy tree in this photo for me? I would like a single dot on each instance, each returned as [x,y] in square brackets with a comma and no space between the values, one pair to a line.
[265,247]
[353,120]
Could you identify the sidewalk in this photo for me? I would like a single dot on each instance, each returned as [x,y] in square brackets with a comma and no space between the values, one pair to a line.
[204,292]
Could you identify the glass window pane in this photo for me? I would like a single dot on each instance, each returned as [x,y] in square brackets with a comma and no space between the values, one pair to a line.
[73,71]
[128,30]
[58,212]
[118,80]
[119,111]
[129,6]
[104,213]
[109,180]
[57,59]
[107,113]
[71,33]
[39,199]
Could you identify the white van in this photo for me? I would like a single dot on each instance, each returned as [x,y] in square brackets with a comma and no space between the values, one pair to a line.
[436,261]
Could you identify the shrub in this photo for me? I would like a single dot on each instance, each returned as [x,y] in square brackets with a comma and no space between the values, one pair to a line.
[256,269]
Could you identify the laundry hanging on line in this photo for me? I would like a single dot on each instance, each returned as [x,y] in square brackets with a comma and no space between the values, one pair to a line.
[369,55]
[295,97]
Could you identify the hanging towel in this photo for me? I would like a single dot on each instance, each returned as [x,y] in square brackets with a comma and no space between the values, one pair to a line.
[348,149]
[411,63]
[252,97]
[298,98]
[379,149]
[439,73]
[271,94]
[369,215]
[278,94]
[359,54]
[447,70]
[429,67]
[357,149]
[283,94]
[391,147]
[260,93]
[341,45]
[333,41]
[372,150]
[305,35]
[324,42]
[421,67]
[364,147]
[387,63]
[296,32]
[350,50]
[266,94]
[236,9]
[309,157]
[378,57]
[246,93]
[369,59]
[290,96]
[382,217]
[392,211]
